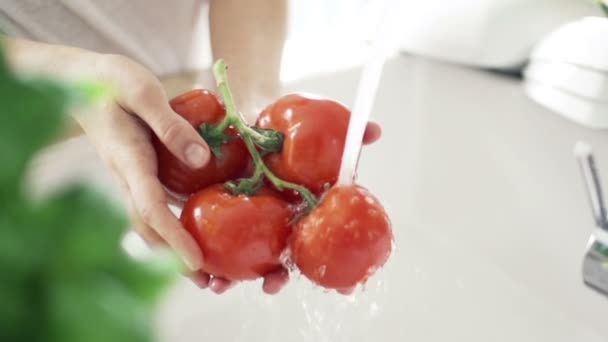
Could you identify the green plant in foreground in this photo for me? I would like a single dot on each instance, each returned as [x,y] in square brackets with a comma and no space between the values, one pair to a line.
[63,276]
[603,4]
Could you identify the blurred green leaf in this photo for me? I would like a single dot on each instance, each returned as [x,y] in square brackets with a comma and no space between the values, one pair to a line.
[95,230]
[16,319]
[148,279]
[63,275]
[95,309]
[31,115]
[22,243]
[33,112]
[603,5]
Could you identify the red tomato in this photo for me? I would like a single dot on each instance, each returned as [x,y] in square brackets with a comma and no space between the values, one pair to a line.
[200,106]
[241,237]
[344,240]
[315,132]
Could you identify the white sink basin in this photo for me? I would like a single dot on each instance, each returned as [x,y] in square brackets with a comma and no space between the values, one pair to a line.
[490,218]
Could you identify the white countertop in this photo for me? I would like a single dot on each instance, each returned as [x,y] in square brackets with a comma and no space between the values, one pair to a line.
[489,213]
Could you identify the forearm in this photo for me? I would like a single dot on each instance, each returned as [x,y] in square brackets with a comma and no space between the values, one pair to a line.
[249,36]
[55,61]
[58,61]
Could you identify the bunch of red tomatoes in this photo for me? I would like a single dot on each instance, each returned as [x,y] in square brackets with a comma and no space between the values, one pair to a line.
[270,188]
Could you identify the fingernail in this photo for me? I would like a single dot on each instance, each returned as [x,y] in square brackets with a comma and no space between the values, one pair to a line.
[215,286]
[201,280]
[201,284]
[196,155]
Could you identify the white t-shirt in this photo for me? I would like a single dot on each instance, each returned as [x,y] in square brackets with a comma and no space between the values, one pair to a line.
[166,36]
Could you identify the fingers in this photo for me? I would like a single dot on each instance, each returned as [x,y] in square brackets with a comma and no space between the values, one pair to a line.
[372,133]
[200,278]
[150,237]
[143,95]
[346,292]
[220,285]
[176,134]
[136,165]
[275,281]
[147,234]
[152,208]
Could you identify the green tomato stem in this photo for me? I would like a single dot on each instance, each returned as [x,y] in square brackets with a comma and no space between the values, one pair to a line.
[251,137]
[231,120]
[267,140]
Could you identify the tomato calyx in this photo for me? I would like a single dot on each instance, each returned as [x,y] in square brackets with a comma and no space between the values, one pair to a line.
[267,140]
[248,186]
[215,138]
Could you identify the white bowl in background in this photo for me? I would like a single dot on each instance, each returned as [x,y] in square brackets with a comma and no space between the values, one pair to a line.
[568,72]
[490,220]
[592,114]
[580,81]
[583,42]
[498,34]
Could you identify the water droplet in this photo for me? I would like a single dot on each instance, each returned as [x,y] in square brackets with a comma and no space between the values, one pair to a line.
[321,271]
[286,260]
[352,298]
[373,308]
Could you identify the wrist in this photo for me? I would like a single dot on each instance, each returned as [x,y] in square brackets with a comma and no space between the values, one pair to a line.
[62,62]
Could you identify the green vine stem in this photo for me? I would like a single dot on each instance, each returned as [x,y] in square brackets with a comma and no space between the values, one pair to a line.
[266,139]
[261,137]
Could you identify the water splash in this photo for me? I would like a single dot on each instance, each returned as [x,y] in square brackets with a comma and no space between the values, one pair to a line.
[372,270]
[286,260]
[314,313]
[340,318]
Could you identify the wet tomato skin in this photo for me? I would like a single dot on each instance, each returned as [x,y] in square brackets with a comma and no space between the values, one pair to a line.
[315,132]
[241,237]
[343,240]
[200,106]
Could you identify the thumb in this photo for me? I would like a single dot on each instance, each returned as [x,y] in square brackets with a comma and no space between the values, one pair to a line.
[181,139]
[175,132]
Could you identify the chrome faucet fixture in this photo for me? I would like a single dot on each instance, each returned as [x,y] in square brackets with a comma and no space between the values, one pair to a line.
[595,262]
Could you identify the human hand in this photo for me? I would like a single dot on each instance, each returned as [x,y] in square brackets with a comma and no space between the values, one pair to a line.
[121,127]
